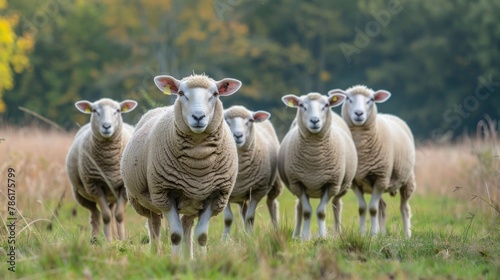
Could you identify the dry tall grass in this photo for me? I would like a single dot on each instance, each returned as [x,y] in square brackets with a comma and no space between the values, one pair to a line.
[38,157]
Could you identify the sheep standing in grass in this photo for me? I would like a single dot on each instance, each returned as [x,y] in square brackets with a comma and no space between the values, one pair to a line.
[317,159]
[386,155]
[258,147]
[93,163]
[182,159]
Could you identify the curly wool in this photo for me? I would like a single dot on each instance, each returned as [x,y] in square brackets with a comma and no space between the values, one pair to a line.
[165,159]
[95,162]
[385,146]
[257,159]
[310,161]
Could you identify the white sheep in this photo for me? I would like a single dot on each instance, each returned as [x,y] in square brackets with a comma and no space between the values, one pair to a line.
[386,155]
[317,159]
[258,147]
[93,163]
[182,159]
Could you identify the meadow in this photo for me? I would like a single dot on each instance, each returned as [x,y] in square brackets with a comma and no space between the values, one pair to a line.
[455,226]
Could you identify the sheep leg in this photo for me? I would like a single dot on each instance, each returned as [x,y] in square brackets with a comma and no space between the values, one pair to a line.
[406,192]
[297,232]
[112,223]
[95,215]
[228,221]
[272,202]
[106,215]
[120,214]
[250,216]
[243,212]
[374,206]
[381,216]
[174,222]
[361,209]
[337,213]
[201,232]
[154,226]
[321,214]
[306,213]
[187,226]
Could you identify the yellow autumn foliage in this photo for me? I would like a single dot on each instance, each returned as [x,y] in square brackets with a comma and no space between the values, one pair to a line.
[14,52]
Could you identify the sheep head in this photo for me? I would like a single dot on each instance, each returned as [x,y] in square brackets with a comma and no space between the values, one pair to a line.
[313,108]
[198,95]
[105,113]
[360,102]
[240,120]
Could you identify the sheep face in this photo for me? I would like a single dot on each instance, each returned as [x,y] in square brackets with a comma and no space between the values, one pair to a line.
[198,95]
[105,114]
[240,121]
[360,102]
[313,108]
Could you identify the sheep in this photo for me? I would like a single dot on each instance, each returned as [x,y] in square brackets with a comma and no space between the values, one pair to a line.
[258,146]
[317,159]
[93,163]
[182,159]
[386,155]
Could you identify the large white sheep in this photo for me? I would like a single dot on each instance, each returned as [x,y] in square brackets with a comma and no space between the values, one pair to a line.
[317,159]
[258,147]
[93,163]
[182,159]
[386,155]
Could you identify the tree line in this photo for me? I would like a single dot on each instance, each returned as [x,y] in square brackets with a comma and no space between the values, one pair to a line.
[438,59]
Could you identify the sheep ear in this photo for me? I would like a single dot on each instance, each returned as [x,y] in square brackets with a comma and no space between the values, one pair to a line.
[291,100]
[261,116]
[167,84]
[84,106]
[227,86]
[333,91]
[381,96]
[336,99]
[127,106]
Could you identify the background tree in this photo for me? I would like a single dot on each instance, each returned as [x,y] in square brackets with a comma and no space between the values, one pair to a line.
[438,59]
[14,50]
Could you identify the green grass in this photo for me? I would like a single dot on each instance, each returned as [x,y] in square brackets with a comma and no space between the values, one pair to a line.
[452,239]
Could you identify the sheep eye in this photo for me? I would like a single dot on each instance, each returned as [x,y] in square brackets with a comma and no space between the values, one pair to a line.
[369,101]
[180,93]
[94,111]
[302,106]
[216,93]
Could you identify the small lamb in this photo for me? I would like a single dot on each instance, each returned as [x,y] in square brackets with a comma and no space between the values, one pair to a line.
[182,159]
[317,159]
[386,155]
[93,163]
[258,147]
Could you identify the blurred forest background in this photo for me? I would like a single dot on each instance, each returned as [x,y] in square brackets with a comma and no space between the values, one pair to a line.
[439,59]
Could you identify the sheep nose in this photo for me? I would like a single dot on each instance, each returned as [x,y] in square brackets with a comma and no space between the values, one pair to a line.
[314,120]
[238,136]
[106,125]
[198,118]
[358,113]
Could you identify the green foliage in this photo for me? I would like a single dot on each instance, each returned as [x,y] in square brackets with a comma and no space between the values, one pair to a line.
[438,59]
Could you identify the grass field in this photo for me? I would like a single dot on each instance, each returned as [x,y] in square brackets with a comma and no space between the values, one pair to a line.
[455,225]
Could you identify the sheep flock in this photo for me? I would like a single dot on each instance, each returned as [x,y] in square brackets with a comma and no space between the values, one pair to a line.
[189,161]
